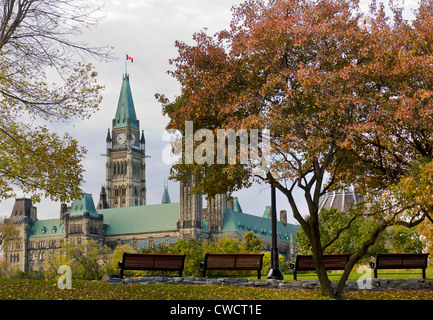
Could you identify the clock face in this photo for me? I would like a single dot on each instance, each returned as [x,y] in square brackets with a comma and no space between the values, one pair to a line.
[121,138]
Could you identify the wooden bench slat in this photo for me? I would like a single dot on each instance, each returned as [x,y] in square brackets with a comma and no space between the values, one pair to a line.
[144,261]
[331,262]
[221,261]
[248,262]
[227,261]
[400,261]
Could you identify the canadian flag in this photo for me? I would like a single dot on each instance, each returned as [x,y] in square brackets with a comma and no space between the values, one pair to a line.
[129,58]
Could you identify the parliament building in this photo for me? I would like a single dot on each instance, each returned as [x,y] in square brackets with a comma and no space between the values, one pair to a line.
[121,215]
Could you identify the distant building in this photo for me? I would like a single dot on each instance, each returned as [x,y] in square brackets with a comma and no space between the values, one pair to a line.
[341,200]
[122,215]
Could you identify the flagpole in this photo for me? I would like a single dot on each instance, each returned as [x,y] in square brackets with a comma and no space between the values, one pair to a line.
[126,60]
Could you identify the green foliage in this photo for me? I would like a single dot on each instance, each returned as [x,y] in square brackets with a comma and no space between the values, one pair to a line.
[284,265]
[88,260]
[406,240]
[333,220]
[251,243]
[397,239]
[194,254]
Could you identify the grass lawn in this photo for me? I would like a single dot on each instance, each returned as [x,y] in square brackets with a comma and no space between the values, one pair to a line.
[100,290]
[389,274]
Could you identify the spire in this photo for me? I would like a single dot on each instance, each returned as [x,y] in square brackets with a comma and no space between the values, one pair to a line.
[165,196]
[109,140]
[102,204]
[236,205]
[267,213]
[108,136]
[142,141]
[125,107]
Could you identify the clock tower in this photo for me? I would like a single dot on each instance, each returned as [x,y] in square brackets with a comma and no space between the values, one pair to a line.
[125,177]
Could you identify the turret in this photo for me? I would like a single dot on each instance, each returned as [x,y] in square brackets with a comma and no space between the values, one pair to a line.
[191,206]
[109,140]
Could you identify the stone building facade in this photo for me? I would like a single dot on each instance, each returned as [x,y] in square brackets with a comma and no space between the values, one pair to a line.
[122,216]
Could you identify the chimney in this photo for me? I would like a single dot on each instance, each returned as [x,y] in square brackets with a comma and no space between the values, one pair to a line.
[283,217]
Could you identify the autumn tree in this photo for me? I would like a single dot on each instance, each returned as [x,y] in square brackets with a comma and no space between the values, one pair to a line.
[45,78]
[346,96]
[88,260]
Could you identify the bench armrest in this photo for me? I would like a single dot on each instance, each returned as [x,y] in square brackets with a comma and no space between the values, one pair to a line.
[372,264]
[292,265]
[201,266]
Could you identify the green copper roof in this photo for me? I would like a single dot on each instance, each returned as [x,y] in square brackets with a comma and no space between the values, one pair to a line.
[242,222]
[46,228]
[125,107]
[165,196]
[84,204]
[140,219]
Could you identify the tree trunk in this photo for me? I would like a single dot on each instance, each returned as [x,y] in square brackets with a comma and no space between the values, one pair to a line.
[316,250]
[355,258]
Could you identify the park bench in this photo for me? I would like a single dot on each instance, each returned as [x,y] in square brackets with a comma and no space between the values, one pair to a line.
[146,261]
[229,261]
[331,261]
[400,261]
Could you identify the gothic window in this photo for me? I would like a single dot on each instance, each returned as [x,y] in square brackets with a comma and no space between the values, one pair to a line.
[74,229]
[94,230]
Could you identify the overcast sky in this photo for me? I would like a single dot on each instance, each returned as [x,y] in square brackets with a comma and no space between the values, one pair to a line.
[146,30]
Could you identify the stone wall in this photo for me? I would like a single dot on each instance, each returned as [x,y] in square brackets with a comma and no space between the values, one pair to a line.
[351,285]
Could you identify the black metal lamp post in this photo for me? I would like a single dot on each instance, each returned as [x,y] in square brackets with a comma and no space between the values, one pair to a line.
[274,272]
